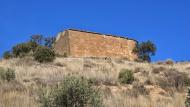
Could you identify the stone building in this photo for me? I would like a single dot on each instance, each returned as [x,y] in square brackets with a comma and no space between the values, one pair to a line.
[77,43]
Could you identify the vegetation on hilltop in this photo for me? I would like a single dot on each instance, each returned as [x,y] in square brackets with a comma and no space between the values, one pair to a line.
[145,50]
[44,54]
[39,47]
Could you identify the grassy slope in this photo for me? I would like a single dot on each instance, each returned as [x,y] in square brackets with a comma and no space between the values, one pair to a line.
[30,76]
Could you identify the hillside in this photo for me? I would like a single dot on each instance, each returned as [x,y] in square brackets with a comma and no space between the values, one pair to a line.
[155,85]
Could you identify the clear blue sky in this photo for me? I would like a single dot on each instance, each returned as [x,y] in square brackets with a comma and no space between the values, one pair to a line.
[165,22]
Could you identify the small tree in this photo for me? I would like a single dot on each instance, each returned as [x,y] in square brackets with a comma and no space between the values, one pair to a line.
[38,39]
[44,54]
[49,41]
[73,92]
[126,76]
[144,50]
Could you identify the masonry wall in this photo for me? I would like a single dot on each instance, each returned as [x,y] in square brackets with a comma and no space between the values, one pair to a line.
[84,44]
[61,46]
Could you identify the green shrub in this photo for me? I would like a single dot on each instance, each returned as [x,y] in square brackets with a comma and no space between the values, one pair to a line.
[2,73]
[65,55]
[44,54]
[7,74]
[10,74]
[187,100]
[20,50]
[126,76]
[7,55]
[32,45]
[73,92]
[186,80]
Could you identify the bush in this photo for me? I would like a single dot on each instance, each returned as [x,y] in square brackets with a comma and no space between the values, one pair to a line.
[126,76]
[73,92]
[20,50]
[187,100]
[44,54]
[65,55]
[169,62]
[8,74]
[186,80]
[32,45]
[2,73]
[7,55]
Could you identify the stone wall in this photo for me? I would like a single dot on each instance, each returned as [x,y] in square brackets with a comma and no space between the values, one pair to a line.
[61,46]
[88,44]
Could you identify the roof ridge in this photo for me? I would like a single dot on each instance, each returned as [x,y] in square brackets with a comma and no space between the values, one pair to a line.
[117,36]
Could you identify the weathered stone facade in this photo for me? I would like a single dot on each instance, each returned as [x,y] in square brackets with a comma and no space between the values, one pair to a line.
[77,43]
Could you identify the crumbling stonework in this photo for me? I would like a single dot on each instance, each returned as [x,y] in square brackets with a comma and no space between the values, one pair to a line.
[77,43]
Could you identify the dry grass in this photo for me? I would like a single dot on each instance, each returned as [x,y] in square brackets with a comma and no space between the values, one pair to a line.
[119,97]
[122,100]
[14,94]
[31,76]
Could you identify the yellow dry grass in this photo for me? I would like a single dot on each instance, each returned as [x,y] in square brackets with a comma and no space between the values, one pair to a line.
[32,75]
